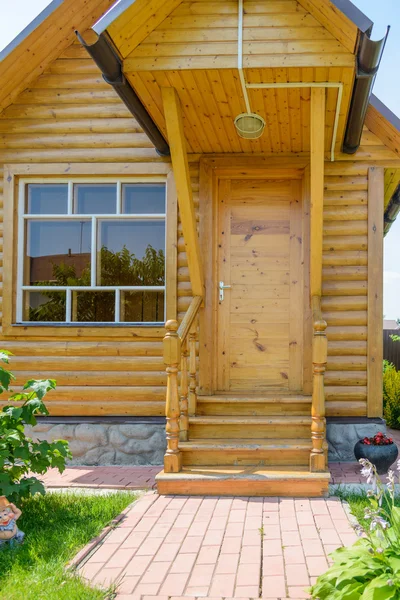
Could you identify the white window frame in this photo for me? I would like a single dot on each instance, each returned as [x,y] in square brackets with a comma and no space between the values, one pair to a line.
[23,217]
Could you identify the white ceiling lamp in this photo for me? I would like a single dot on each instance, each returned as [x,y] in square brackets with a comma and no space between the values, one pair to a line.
[249,125]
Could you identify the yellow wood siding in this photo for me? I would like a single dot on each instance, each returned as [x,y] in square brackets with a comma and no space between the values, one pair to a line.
[202,34]
[344,291]
[45,43]
[71,115]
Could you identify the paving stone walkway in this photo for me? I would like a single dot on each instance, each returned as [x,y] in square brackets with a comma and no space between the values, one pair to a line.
[206,547]
[128,478]
[137,478]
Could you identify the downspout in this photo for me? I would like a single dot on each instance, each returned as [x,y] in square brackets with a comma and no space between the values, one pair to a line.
[367,64]
[110,65]
[392,210]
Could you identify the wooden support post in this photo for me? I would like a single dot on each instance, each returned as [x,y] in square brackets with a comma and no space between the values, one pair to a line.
[184,418]
[172,358]
[375,291]
[318,424]
[317,187]
[180,165]
[192,369]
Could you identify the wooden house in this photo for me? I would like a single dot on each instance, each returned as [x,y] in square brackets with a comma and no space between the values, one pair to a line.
[193,210]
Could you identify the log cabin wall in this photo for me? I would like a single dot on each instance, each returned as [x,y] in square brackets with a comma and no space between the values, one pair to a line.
[71,115]
[344,289]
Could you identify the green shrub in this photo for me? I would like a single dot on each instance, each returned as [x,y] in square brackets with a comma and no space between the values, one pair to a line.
[20,455]
[370,569]
[391,395]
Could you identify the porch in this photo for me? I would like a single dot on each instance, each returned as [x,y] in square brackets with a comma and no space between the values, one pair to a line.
[246,408]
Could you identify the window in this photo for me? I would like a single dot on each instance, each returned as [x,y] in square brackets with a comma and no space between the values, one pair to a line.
[91,252]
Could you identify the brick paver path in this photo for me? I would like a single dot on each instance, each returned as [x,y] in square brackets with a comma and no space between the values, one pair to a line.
[136,478]
[170,547]
[128,478]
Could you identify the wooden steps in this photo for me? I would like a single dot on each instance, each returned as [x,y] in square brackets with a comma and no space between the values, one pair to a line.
[242,404]
[251,445]
[237,427]
[247,481]
[245,452]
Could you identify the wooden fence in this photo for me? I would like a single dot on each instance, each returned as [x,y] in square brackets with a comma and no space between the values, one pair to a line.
[391,349]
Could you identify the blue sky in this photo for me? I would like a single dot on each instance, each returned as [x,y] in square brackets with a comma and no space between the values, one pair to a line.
[18,13]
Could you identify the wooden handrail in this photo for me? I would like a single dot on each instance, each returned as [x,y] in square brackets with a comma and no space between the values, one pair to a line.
[189,317]
[180,355]
[318,424]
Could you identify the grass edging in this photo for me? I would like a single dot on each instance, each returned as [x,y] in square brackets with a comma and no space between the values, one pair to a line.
[87,551]
[352,519]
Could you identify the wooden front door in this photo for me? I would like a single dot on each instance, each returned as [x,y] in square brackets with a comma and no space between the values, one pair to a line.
[260,255]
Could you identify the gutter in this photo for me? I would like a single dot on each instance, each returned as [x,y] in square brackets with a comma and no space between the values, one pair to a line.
[110,65]
[392,210]
[368,59]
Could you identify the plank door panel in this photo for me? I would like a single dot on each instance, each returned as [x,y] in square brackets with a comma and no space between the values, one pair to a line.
[260,255]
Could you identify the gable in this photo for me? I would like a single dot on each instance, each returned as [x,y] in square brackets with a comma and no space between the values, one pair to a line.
[44,44]
[134,24]
[336,22]
[203,34]
[70,114]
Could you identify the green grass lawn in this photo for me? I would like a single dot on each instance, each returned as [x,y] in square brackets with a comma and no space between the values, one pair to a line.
[56,526]
[358,501]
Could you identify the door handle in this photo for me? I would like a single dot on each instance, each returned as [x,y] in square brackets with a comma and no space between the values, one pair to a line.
[223,287]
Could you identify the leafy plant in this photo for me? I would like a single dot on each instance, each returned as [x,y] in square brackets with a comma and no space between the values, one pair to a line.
[391,395]
[19,454]
[370,569]
[395,337]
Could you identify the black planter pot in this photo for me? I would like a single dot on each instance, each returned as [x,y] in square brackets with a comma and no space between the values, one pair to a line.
[380,456]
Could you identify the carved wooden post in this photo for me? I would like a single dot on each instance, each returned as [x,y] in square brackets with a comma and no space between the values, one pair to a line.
[192,369]
[172,358]
[184,418]
[318,425]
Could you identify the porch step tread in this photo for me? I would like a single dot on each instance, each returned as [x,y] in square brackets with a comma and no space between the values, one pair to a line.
[245,444]
[244,481]
[237,472]
[267,399]
[244,420]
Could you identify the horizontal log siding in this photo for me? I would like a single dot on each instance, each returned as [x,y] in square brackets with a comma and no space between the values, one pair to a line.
[71,115]
[203,35]
[344,290]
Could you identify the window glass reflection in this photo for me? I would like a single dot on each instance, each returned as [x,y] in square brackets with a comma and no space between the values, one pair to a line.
[95,198]
[131,253]
[143,306]
[44,306]
[58,253]
[143,198]
[93,307]
[47,199]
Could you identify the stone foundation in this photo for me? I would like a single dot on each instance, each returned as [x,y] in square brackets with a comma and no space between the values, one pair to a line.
[107,443]
[343,433]
[141,441]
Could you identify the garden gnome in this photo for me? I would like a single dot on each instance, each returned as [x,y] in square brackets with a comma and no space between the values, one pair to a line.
[9,531]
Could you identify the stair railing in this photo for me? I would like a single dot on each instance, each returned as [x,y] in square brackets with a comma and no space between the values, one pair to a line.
[319,358]
[180,358]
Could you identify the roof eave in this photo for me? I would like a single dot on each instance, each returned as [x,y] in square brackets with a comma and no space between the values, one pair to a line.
[46,12]
[355,15]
